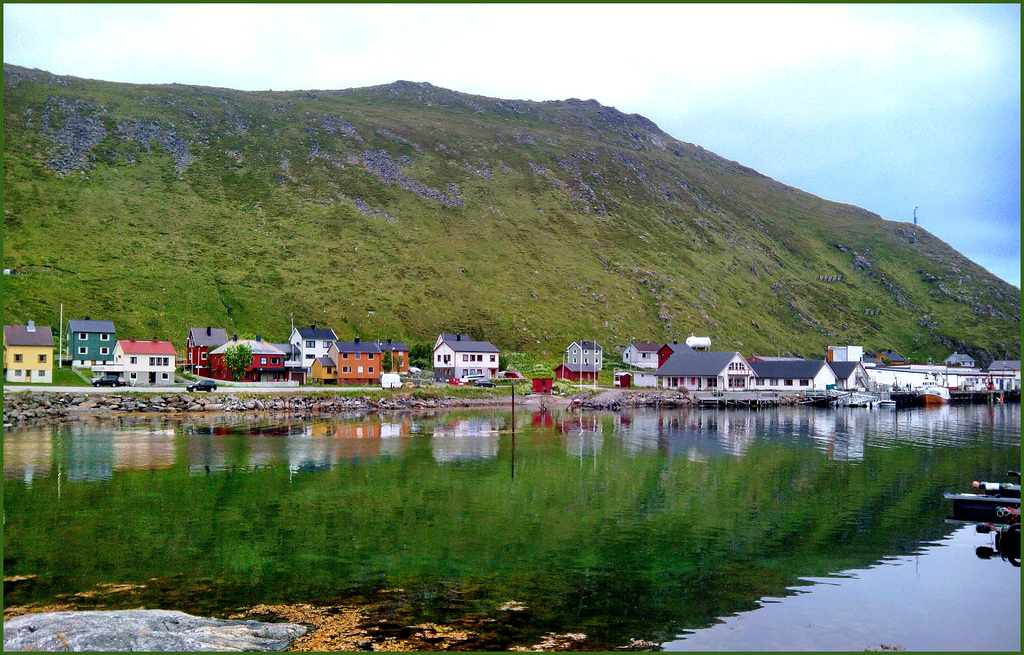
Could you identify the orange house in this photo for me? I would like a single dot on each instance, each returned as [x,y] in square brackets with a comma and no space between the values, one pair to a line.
[399,352]
[356,362]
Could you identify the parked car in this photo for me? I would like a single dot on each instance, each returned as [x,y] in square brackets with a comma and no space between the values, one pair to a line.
[483,383]
[109,381]
[514,375]
[457,382]
[202,385]
[470,379]
[390,381]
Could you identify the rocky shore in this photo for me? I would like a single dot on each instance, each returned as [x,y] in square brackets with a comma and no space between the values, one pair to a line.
[20,408]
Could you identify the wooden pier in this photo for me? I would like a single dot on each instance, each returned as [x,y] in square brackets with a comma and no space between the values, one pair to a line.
[753,399]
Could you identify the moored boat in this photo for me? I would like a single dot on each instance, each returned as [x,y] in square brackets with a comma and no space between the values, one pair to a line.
[933,395]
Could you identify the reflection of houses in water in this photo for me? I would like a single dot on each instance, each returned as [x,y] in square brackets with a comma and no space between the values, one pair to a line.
[321,446]
[27,454]
[583,435]
[463,440]
[695,434]
[152,449]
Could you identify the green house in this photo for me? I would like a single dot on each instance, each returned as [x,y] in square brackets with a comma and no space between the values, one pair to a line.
[90,343]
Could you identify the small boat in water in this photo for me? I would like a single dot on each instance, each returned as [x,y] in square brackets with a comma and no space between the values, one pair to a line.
[932,394]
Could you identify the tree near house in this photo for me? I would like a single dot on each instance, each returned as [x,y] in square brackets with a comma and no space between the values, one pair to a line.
[237,358]
[387,361]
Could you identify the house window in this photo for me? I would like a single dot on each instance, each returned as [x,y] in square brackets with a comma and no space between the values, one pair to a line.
[133,360]
[202,356]
[164,376]
[133,374]
[104,337]
[359,356]
[789,383]
[152,361]
[805,383]
[344,355]
[327,344]
[17,357]
[263,360]
[369,370]
[310,356]
[359,369]
[311,344]
[82,350]
[82,336]
[465,358]
[17,373]
[346,369]
[42,359]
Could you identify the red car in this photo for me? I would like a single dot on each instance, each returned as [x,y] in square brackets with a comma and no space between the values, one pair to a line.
[458,382]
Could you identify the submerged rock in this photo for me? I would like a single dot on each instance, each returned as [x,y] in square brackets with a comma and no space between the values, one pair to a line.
[145,630]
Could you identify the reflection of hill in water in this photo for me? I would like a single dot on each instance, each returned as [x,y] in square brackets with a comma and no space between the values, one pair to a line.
[636,524]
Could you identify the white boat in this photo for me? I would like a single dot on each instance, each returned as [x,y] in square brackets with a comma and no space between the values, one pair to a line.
[932,394]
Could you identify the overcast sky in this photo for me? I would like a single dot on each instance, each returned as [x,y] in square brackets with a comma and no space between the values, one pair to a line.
[888,107]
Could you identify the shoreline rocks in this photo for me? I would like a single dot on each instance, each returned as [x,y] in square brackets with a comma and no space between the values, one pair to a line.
[143,630]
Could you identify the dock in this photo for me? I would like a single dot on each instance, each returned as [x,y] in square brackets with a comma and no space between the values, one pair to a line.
[753,399]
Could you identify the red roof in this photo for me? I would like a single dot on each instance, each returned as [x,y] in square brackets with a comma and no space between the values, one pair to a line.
[133,347]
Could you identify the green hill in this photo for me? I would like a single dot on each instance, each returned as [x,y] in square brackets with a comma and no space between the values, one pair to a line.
[405,210]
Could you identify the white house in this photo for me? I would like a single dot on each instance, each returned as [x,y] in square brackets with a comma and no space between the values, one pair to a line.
[457,356]
[307,345]
[144,363]
[850,375]
[641,354]
[1004,374]
[960,359]
[792,375]
[587,355]
[706,371]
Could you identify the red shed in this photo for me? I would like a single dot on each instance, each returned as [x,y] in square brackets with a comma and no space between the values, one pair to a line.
[575,372]
[543,385]
[623,379]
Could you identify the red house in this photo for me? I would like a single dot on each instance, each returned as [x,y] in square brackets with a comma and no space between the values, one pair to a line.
[669,349]
[267,362]
[575,372]
[198,344]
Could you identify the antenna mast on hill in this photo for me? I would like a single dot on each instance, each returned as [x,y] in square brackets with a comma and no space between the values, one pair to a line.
[915,215]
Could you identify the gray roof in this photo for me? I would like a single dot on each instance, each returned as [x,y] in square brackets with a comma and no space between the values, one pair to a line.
[892,356]
[465,345]
[357,347]
[586,345]
[19,335]
[392,346]
[579,368]
[257,347]
[325,334]
[1005,365]
[843,370]
[286,348]
[790,369]
[695,364]
[678,348]
[959,358]
[217,336]
[89,325]
[325,360]
[645,346]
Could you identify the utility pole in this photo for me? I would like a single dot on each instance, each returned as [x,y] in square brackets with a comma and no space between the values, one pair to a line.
[915,215]
[60,338]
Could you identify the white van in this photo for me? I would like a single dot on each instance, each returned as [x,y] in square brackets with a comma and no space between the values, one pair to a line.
[390,381]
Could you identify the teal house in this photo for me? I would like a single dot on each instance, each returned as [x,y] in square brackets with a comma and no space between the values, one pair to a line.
[90,343]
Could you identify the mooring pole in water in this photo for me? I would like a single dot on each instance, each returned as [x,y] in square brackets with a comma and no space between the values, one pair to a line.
[513,430]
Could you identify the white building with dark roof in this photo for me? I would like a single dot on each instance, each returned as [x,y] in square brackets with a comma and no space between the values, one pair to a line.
[456,356]
[793,374]
[641,354]
[706,371]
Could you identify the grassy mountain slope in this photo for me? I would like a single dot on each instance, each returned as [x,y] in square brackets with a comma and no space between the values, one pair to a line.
[404,210]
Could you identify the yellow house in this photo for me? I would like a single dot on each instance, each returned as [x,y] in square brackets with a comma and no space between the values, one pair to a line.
[324,370]
[28,354]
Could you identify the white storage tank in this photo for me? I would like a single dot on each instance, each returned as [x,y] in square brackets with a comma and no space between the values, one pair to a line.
[698,343]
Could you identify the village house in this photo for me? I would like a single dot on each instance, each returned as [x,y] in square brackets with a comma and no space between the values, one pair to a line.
[399,354]
[354,362]
[641,354]
[575,372]
[143,363]
[90,342]
[960,359]
[198,344]
[456,356]
[588,355]
[28,353]
[267,364]
[308,345]
[792,374]
[1004,374]
[850,375]
[892,357]
[688,369]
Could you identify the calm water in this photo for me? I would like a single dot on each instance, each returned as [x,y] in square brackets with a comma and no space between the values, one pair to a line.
[786,529]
